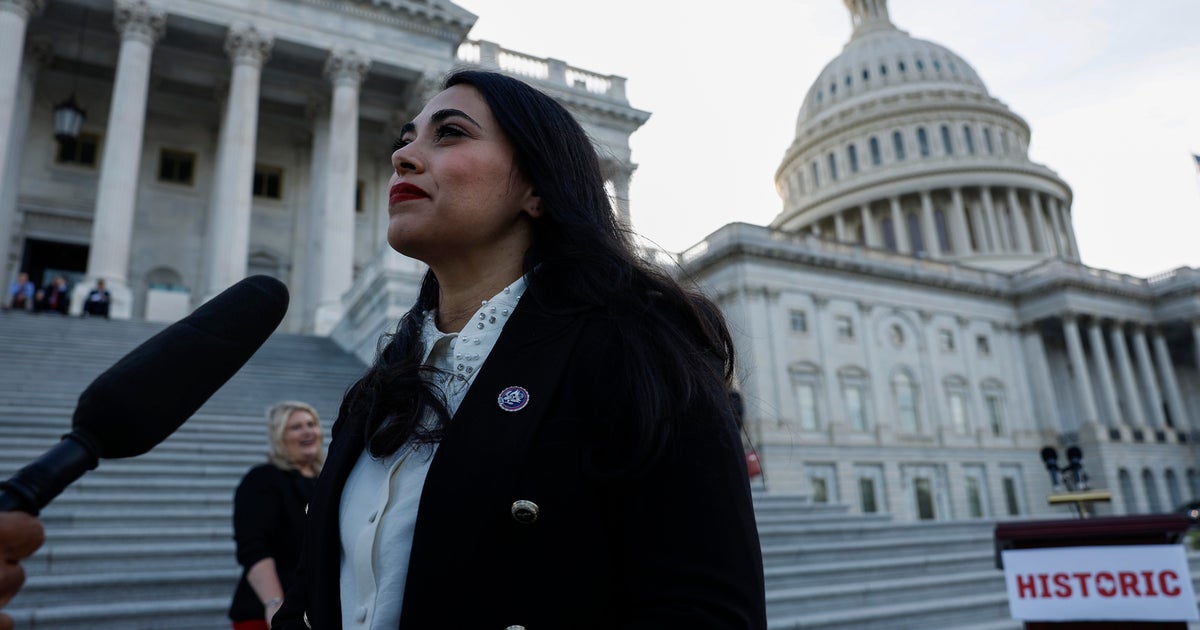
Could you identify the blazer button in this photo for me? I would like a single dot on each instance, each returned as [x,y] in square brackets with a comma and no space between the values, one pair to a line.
[525,512]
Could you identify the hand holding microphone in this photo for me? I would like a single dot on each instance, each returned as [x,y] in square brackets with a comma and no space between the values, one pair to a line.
[150,392]
[20,536]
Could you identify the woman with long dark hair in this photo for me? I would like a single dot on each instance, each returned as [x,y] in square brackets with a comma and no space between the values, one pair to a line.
[546,440]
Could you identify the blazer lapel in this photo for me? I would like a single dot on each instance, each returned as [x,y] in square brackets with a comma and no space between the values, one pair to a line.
[477,463]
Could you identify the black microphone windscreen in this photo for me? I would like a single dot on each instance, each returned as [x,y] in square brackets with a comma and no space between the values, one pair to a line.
[150,392]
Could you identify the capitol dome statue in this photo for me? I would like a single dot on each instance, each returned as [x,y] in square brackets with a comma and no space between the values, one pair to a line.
[900,146]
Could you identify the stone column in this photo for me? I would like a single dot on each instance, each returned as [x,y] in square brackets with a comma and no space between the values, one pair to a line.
[958,224]
[1056,224]
[989,215]
[1019,224]
[1108,389]
[335,271]
[14,18]
[1083,380]
[933,245]
[1040,380]
[869,232]
[140,25]
[1069,226]
[1133,399]
[1196,340]
[899,229]
[305,268]
[839,227]
[620,180]
[983,241]
[1166,371]
[1149,383]
[227,242]
[1041,239]
[38,54]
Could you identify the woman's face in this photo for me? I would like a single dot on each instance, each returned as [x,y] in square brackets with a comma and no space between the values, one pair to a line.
[302,438]
[456,195]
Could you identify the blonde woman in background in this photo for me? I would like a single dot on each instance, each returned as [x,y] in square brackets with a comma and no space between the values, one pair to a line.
[268,513]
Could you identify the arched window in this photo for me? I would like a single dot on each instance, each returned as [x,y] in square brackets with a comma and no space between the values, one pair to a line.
[1125,480]
[1151,487]
[916,240]
[970,139]
[876,156]
[947,145]
[898,145]
[987,140]
[920,65]
[833,174]
[1004,146]
[900,66]
[816,174]
[889,234]
[908,410]
[922,142]
[1173,493]
[882,70]
[852,154]
[943,232]
[833,88]
[937,65]
[866,74]
[1193,481]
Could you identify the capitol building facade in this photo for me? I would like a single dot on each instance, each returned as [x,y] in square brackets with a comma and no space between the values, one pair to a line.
[913,327]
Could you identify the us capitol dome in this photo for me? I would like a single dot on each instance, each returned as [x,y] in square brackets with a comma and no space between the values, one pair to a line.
[900,146]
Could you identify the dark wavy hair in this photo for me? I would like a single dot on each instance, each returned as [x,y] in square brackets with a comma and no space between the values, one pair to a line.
[677,352]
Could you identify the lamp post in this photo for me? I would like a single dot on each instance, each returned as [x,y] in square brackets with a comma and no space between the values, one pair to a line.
[68,115]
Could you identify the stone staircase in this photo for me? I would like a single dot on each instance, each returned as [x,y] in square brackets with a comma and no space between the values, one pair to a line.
[145,543]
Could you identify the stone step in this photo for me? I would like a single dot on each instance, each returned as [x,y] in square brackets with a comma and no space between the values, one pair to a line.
[925,614]
[167,614]
[105,556]
[871,592]
[48,591]
[864,549]
[884,567]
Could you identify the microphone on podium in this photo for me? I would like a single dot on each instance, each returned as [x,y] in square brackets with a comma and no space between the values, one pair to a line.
[143,398]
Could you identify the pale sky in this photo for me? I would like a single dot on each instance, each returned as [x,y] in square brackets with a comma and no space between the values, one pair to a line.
[1110,89]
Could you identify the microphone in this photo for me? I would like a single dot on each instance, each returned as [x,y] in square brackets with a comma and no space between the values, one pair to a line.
[143,398]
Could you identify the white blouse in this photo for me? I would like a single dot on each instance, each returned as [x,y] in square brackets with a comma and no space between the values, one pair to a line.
[378,510]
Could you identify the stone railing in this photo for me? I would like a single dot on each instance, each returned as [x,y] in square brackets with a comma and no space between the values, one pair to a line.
[491,55]
[842,254]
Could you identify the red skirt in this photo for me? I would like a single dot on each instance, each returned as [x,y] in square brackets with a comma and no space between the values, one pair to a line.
[253,624]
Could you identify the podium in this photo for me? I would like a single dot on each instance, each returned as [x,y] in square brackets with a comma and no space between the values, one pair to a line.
[1150,529]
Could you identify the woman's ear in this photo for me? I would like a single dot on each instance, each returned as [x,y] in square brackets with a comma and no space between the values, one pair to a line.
[532,204]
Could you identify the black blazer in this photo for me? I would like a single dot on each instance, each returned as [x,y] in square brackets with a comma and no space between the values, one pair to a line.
[268,522]
[673,547]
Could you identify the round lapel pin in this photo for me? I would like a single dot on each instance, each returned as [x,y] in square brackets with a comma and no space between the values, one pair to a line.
[513,398]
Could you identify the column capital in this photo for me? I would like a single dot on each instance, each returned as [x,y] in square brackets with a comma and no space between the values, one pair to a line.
[247,44]
[346,67]
[820,301]
[138,19]
[865,307]
[24,9]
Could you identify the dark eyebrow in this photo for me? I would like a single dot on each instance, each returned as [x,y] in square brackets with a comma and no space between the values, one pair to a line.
[443,114]
[439,116]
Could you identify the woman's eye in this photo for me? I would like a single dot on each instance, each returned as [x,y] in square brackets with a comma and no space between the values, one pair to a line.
[399,143]
[446,131]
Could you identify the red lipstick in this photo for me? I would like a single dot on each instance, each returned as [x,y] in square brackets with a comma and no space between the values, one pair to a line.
[404,191]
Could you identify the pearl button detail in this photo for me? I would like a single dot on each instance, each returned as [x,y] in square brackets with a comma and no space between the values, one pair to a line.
[525,512]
